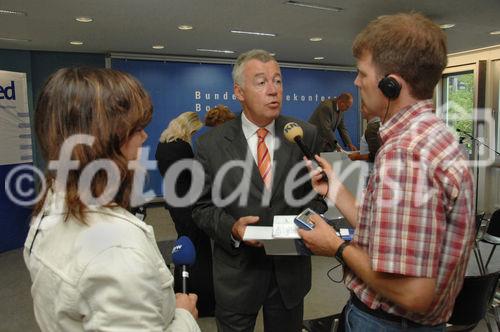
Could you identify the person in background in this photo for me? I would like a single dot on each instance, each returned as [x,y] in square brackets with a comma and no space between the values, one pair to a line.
[95,266]
[370,141]
[245,278]
[328,117]
[175,145]
[218,115]
[415,227]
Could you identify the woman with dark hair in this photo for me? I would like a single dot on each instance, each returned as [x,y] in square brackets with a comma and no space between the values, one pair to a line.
[218,115]
[175,146]
[94,266]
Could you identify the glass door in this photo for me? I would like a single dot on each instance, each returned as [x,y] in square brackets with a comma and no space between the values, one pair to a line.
[458,103]
[496,102]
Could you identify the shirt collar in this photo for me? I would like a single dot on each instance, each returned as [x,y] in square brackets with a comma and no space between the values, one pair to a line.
[250,128]
[334,105]
[404,118]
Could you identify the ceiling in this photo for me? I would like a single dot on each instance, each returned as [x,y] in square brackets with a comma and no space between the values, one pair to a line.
[133,26]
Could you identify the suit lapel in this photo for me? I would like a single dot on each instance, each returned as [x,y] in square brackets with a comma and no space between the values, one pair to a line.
[238,150]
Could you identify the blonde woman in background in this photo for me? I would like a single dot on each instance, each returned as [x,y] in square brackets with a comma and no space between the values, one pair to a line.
[175,145]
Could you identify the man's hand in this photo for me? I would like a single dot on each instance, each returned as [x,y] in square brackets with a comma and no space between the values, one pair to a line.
[359,156]
[322,239]
[354,156]
[187,302]
[240,226]
[317,181]
[352,147]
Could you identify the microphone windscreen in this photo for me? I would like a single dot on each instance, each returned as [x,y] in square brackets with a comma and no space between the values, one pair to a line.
[292,130]
[183,252]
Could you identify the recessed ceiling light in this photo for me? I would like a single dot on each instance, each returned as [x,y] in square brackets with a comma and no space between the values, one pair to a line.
[76,42]
[319,58]
[495,32]
[313,6]
[266,34]
[447,26]
[12,12]
[185,27]
[315,39]
[84,19]
[158,47]
[214,51]
[14,39]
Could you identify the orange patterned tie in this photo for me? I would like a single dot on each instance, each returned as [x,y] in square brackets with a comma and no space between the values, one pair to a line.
[263,157]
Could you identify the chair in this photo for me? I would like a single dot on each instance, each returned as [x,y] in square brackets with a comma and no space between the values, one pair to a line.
[492,235]
[477,252]
[473,302]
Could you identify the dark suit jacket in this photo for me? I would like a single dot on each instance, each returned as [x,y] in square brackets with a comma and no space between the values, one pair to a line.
[242,275]
[201,280]
[327,118]
[169,153]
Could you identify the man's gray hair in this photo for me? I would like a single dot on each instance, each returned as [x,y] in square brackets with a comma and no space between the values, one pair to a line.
[239,65]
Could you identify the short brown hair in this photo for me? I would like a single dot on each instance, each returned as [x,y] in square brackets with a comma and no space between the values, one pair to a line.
[345,97]
[407,44]
[104,103]
[218,115]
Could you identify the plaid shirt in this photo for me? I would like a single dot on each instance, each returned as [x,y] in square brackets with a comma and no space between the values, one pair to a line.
[416,218]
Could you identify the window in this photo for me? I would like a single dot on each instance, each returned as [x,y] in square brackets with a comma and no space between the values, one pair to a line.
[496,101]
[457,103]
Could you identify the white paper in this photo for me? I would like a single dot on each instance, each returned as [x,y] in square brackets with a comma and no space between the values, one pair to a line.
[284,228]
[258,233]
[273,246]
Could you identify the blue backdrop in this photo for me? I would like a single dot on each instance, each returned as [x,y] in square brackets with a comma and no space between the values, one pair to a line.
[178,87]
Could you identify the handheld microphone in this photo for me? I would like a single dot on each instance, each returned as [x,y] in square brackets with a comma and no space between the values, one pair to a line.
[184,255]
[294,133]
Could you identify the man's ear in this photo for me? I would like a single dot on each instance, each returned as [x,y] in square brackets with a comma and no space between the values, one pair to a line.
[238,92]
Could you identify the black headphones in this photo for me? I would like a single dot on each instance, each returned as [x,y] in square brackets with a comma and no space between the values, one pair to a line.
[389,87]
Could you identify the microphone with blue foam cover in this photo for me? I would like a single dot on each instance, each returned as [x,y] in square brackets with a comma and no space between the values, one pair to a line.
[184,255]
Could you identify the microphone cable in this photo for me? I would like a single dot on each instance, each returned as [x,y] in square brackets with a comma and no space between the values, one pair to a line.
[329,274]
[386,110]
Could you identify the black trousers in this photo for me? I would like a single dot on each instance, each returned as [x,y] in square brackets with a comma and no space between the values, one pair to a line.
[277,318]
[200,274]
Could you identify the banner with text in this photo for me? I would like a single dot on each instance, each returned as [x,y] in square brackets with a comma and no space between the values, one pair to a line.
[16,148]
[178,87]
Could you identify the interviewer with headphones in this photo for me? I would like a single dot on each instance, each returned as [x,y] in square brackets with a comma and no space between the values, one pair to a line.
[414,228]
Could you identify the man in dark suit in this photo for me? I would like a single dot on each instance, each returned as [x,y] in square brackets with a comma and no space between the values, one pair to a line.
[328,117]
[255,189]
